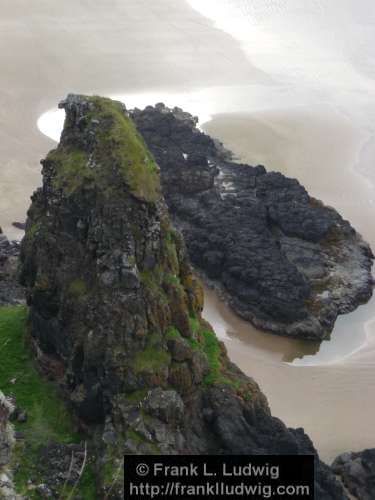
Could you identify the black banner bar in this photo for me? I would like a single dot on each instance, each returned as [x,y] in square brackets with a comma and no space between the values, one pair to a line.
[257,477]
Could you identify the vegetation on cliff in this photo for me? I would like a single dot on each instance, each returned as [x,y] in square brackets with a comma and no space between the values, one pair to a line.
[118,148]
[47,419]
[115,309]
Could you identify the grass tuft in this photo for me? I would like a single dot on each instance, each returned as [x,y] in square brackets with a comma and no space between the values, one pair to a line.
[48,418]
[151,360]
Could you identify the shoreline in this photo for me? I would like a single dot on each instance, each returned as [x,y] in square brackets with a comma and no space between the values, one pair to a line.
[314,397]
[47,63]
[260,361]
[51,123]
[318,398]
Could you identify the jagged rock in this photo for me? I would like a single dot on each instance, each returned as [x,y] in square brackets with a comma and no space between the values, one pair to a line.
[11,293]
[7,440]
[180,349]
[6,433]
[165,405]
[109,286]
[59,465]
[19,225]
[357,471]
[282,259]
[22,417]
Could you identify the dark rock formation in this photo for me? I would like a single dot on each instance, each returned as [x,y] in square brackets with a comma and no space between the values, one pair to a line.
[11,292]
[357,471]
[283,260]
[113,302]
[7,491]
[59,465]
[19,225]
[5,435]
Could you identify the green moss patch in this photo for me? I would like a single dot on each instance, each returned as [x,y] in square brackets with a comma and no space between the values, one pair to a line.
[194,324]
[118,148]
[121,145]
[212,350]
[19,377]
[172,279]
[77,288]
[152,282]
[171,251]
[71,167]
[34,229]
[151,360]
[172,333]
[207,341]
[137,396]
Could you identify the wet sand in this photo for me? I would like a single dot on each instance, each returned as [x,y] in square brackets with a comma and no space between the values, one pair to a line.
[167,48]
[332,402]
[323,388]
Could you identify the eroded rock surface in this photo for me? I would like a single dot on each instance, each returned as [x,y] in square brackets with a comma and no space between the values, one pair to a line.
[11,293]
[115,305]
[357,471]
[7,490]
[283,260]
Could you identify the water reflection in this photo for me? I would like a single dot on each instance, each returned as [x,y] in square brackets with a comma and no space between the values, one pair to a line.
[349,336]
[242,337]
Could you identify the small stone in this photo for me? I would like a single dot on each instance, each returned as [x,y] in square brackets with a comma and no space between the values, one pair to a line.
[165,405]
[44,491]
[22,417]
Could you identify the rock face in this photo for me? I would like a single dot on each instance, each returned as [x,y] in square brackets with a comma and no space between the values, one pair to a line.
[7,491]
[114,303]
[5,433]
[11,292]
[283,260]
[357,471]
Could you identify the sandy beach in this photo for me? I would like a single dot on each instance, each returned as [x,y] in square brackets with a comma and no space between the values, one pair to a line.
[322,388]
[129,48]
[83,47]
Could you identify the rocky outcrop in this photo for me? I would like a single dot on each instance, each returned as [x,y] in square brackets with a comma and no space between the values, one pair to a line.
[357,471]
[7,491]
[115,306]
[11,293]
[282,259]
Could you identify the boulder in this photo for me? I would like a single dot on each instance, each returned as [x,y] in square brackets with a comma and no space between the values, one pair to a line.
[357,471]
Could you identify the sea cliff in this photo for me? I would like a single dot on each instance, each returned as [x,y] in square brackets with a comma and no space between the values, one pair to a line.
[115,311]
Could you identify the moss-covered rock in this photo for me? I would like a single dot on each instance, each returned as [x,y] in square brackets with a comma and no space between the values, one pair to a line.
[114,303]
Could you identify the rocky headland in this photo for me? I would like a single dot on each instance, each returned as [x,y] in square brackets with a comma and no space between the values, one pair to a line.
[115,309]
[282,259]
